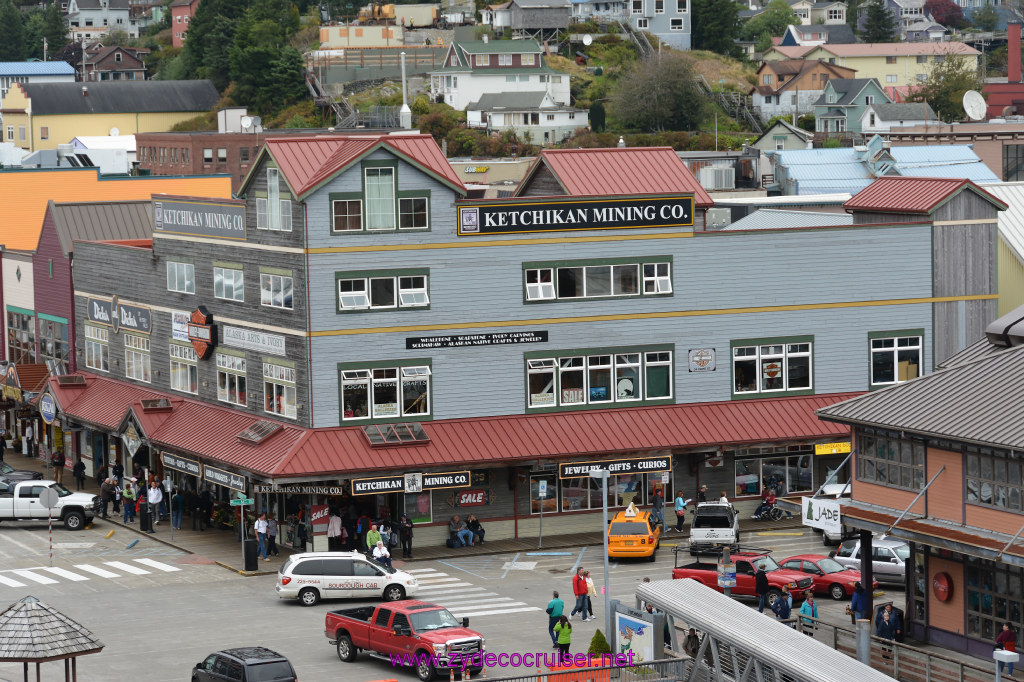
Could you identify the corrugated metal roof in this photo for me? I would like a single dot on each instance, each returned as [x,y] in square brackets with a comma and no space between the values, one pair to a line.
[31,377]
[976,351]
[590,433]
[101,220]
[60,68]
[23,219]
[621,170]
[978,402]
[912,195]
[897,49]
[776,219]
[500,46]
[125,142]
[1011,221]
[102,401]
[309,161]
[115,97]
[904,111]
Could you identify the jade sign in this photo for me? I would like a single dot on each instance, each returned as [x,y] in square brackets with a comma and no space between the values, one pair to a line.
[818,512]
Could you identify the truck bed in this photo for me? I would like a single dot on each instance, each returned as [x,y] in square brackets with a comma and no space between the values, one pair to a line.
[699,566]
[360,613]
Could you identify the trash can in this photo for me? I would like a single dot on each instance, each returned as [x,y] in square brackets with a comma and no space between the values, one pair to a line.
[145,520]
[249,547]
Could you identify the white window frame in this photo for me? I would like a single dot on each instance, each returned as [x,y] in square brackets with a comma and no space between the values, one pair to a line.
[892,78]
[636,7]
[412,291]
[403,378]
[97,348]
[682,6]
[642,24]
[235,291]
[266,218]
[184,365]
[281,381]
[137,358]
[348,216]
[504,60]
[232,369]
[648,282]
[409,291]
[387,220]
[481,60]
[404,202]
[181,277]
[528,59]
[657,278]
[835,15]
[899,344]
[540,284]
[267,291]
[659,6]
[775,352]
[621,366]
[675,25]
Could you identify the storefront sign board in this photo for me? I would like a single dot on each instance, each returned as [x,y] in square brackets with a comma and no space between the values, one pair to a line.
[201,332]
[702,360]
[319,518]
[298,489]
[199,218]
[47,408]
[407,483]
[821,513]
[224,478]
[179,325]
[583,214]
[474,497]
[464,340]
[133,318]
[833,448]
[248,339]
[182,464]
[639,465]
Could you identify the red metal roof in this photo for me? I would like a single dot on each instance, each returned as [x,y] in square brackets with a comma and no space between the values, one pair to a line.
[621,170]
[911,195]
[308,161]
[592,433]
[101,401]
[31,377]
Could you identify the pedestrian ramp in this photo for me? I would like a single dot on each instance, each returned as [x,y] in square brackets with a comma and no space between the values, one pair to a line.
[463,598]
[107,570]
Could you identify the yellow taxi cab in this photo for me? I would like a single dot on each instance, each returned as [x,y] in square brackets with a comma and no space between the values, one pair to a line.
[631,534]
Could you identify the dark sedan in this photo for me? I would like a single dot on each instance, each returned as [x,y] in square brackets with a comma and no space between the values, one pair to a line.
[13,475]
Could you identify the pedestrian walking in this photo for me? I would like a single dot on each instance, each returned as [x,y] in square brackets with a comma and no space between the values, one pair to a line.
[657,507]
[336,537]
[554,610]
[117,472]
[723,499]
[106,494]
[128,494]
[691,645]
[405,535]
[894,618]
[79,472]
[177,507]
[591,592]
[58,460]
[809,611]
[858,603]
[165,500]
[783,606]
[680,512]
[886,631]
[1007,640]
[761,586]
[702,495]
[563,630]
[155,498]
[27,436]
[272,536]
[261,536]
[579,590]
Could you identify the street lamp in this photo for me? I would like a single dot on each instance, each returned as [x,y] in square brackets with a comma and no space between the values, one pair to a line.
[603,475]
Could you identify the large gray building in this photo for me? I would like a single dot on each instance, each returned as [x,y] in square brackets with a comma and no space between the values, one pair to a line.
[360,332]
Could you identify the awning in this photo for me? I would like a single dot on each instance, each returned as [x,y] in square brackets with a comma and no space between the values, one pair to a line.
[291,452]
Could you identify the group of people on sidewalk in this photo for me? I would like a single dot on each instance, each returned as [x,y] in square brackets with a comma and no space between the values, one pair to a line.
[462,533]
[266,536]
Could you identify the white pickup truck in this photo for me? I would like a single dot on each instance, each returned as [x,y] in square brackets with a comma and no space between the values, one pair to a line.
[714,525]
[19,501]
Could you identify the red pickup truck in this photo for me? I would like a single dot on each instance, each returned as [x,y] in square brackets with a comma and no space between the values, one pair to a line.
[409,633]
[746,567]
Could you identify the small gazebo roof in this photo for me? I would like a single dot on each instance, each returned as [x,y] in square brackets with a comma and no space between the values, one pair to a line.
[32,631]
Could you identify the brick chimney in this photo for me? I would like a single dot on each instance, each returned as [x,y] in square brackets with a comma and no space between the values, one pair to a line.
[1013,51]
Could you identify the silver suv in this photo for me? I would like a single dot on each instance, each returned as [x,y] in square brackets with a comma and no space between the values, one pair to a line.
[888,558]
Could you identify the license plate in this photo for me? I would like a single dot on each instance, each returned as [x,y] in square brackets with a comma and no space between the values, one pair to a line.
[628,543]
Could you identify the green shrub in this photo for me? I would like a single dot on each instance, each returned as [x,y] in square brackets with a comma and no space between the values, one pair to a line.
[598,644]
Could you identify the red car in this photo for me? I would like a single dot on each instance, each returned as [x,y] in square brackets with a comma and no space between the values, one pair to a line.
[830,577]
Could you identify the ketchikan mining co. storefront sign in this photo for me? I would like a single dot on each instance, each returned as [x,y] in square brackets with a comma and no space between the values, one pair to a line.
[553,215]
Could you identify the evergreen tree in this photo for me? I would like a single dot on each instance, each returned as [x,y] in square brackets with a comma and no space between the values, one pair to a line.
[774,20]
[34,25]
[985,18]
[944,90]
[597,117]
[55,30]
[659,94]
[716,26]
[12,33]
[879,23]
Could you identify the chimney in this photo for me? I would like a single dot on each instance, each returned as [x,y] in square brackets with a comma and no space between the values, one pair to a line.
[85,88]
[1013,51]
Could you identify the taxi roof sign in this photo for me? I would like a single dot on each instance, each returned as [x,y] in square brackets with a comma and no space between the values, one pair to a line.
[630,510]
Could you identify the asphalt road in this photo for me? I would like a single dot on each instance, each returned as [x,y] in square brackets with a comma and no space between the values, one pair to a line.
[159,611]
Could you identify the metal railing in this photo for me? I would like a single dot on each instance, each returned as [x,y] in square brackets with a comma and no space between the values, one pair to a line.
[664,670]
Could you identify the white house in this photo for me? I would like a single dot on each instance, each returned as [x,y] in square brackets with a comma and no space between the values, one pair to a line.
[532,114]
[93,18]
[601,11]
[498,17]
[881,116]
[473,69]
[34,72]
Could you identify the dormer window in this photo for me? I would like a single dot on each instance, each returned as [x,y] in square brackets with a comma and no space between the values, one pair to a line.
[529,59]
[117,57]
[482,60]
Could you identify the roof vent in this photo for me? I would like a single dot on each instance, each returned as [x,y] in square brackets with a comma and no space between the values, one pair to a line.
[396,434]
[156,405]
[259,431]
[74,380]
[85,91]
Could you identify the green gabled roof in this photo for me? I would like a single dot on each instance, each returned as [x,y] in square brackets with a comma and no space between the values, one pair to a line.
[500,47]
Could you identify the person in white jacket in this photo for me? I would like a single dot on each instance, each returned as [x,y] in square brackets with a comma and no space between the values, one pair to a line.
[381,554]
[154,498]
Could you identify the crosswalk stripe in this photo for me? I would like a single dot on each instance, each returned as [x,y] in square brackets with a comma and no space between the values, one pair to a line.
[467,614]
[434,581]
[127,568]
[436,589]
[10,583]
[471,600]
[101,572]
[424,570]
[430,574]
[463,590]
[65,574]
[29,575]
[166,568]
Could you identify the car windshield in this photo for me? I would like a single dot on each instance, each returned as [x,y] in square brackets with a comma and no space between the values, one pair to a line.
[903,552]
[830,565]
[267,672]
[629,528]
[769,564]
[61,490]
[424,621]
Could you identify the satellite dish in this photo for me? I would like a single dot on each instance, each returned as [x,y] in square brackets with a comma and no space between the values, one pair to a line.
[246,122]
[588,39]
[257,121]
[114,132]
[974,105]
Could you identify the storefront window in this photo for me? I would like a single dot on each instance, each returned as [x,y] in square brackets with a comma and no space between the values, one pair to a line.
[418,507]
[784,475]
[771,368]
[53,344]
[585,492]
[385,393]
[279,390]
[599,379]
[375,392]
[231,379]
[993,597]
[21,338]
[890,460]
[550,497]
[994,478]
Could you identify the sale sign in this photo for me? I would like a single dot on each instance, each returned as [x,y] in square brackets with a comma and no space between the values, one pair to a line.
[319,518]
[473,498]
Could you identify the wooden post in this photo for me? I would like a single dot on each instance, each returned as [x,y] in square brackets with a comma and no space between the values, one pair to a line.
[67,670]
[74,669]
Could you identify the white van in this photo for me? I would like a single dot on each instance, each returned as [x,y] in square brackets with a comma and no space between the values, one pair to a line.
[312,576]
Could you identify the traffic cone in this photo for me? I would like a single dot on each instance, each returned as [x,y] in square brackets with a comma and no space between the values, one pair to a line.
[451,674]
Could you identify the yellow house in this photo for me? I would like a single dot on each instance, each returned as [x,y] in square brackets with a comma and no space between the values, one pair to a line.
[893,64]
[43,115]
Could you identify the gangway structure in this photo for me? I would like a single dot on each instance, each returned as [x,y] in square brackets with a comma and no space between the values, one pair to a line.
[741,645]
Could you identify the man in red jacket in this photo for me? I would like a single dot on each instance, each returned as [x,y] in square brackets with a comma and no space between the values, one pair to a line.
[579,588]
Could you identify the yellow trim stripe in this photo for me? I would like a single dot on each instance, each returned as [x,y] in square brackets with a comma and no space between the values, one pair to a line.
[651,316]
[500,242]
[976,221]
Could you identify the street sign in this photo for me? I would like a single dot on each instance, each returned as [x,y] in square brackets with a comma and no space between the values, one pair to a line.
[542,488]
[243,502]
[49,498]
